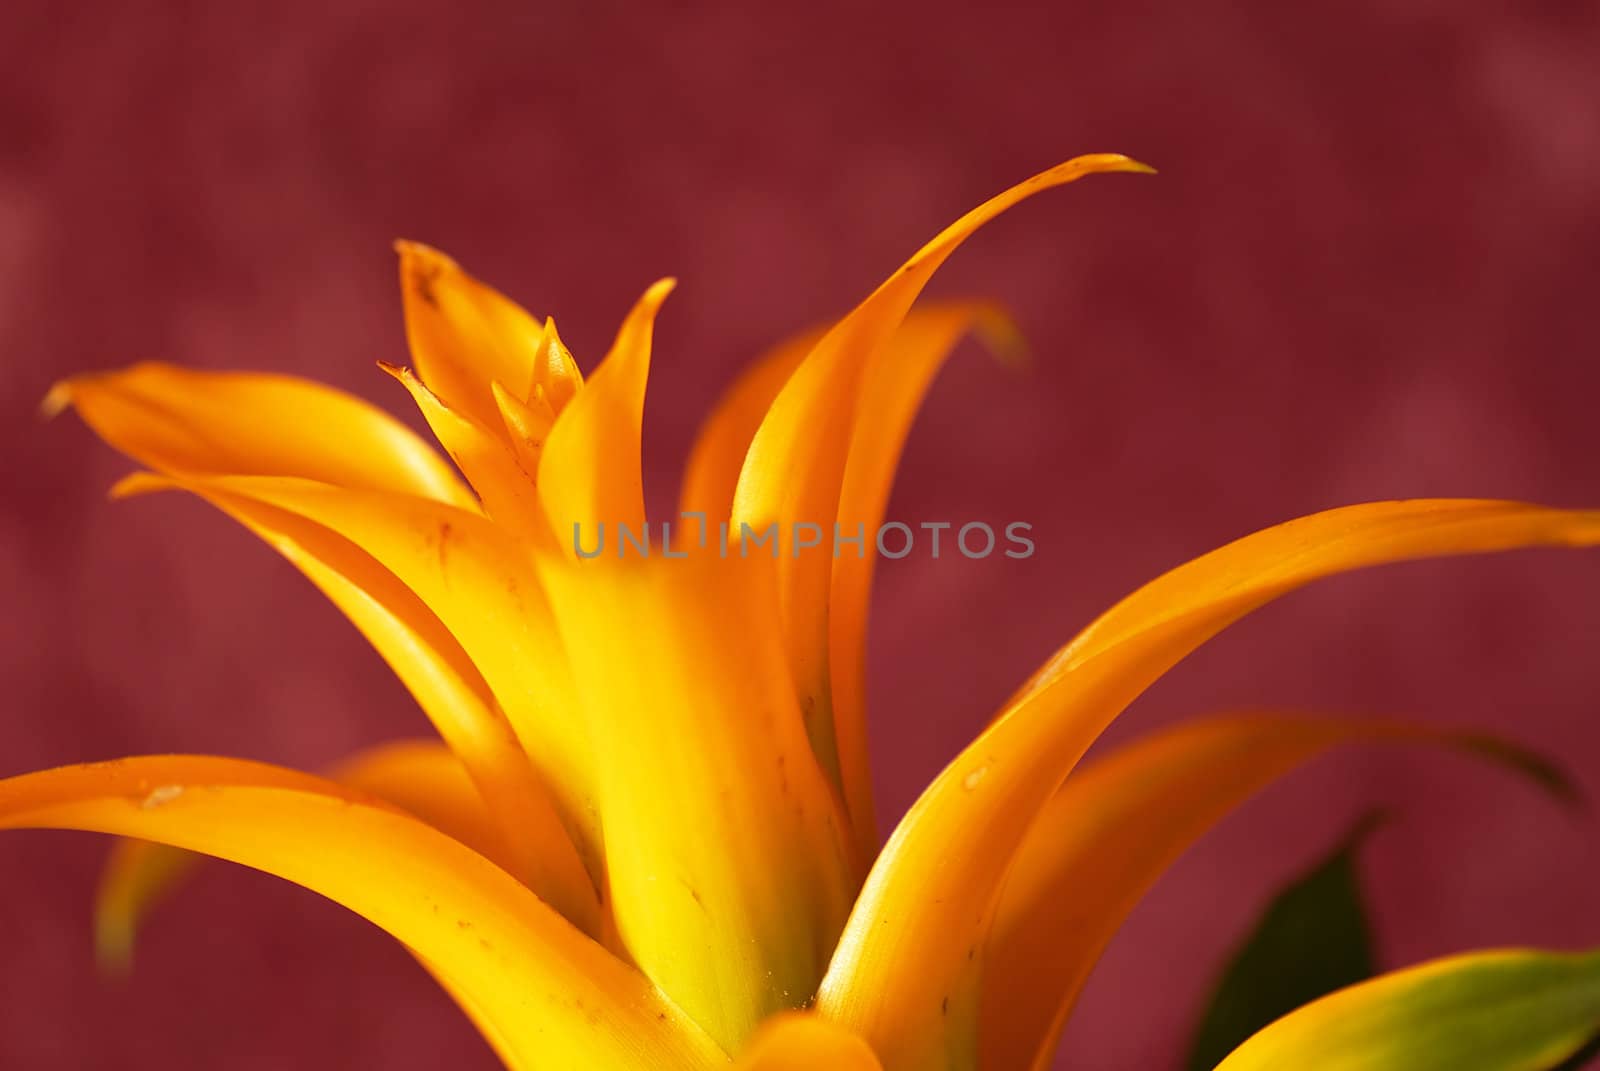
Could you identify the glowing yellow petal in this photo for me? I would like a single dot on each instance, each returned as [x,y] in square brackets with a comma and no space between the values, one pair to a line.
[725,848]
[465,335]
[931,895]
[420,777]
[589,474]
[798,1041]
[796,462]
[488,458]
[1510,1010]
[1112,829]
[553,996]
[455,608]
[181,420]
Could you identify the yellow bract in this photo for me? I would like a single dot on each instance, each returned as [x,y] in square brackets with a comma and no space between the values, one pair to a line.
[647,839]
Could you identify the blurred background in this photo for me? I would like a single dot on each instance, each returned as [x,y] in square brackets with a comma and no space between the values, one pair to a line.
[1368,269]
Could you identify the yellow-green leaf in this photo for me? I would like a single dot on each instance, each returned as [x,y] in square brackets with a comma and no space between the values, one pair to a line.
[1513,1010]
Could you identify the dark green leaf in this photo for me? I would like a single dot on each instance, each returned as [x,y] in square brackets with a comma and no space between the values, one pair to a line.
[1312,939]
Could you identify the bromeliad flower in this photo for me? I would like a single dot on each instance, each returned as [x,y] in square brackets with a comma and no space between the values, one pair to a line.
[646,839]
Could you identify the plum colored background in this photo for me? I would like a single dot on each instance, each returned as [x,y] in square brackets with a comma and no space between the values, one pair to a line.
[1367,270]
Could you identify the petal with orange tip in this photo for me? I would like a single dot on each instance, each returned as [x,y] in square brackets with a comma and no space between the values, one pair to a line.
[421,777]
[453,604]
[553,997]
[796,463]
[184,420]
[1118,823]
[800,1041]
[590,472]
[933,891]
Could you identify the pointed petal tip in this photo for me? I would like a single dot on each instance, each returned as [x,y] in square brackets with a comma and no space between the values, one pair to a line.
[58,399]
[113,947]
[1000,333]
[408,249]
[139,483]
[398,371]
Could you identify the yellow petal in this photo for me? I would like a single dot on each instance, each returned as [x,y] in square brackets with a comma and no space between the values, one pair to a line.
[796,462]
[420,777]
[553,996]
[243,423]
[465,335]
[486,456]
[590,474]
[1510,1010]
[1112,829]
[455,609]
[725,848]
[933,890]
[798,1041]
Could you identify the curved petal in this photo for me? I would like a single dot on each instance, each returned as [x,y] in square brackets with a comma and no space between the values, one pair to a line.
[554,997]
[465,335]
[1511,1010]
[795,466]
[181,420]
[453,606]
[1115,826]
[892,387]
[932,892]
[895,380]
[420,777]
[799,1041]
[725,848]
[590,471]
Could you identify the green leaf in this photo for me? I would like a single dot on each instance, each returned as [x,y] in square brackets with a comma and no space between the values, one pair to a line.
[1311,940]
[1510,1010]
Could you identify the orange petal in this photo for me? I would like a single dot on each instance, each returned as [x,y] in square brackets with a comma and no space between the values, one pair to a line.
[553,997]
[465,335]
[453,604]
[798,1041]
[725,849]
[180,420]
[892,388]
[589,474]
[897,377]
[1113,828]
[420,777]
[932,893]
[795,467]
